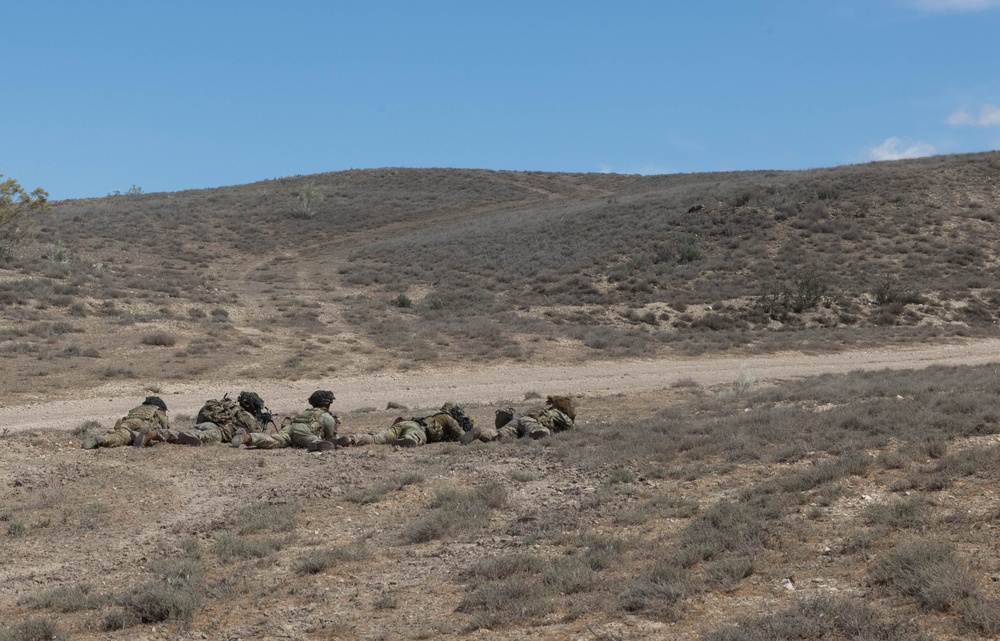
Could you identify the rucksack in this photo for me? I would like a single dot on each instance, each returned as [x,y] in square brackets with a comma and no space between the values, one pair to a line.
[221,412]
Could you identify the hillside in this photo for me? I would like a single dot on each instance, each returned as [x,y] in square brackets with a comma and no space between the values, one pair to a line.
[365,270]
[786,384]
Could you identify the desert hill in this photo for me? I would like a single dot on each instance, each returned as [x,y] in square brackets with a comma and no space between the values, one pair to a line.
[364,270]
[786,382]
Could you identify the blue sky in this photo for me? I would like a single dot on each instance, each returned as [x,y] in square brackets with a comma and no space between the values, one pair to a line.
[175,94]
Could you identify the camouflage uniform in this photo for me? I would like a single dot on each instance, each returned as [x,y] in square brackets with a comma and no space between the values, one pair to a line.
[435,427]
[556,415]
[206,431]
[128,427]
[308,429]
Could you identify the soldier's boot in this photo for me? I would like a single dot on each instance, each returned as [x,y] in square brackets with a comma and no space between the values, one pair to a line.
[479,433]
[142,437]
[186,438]
[241,438]
[91,442]
[403,442]
[343,441]
[322,446]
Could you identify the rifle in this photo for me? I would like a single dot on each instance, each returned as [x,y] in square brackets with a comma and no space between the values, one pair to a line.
[265,416]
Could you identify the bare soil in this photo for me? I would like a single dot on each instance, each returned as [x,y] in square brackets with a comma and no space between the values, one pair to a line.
[494,385]
[100,520]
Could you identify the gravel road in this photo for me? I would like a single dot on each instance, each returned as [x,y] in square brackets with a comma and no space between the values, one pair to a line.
[493,384]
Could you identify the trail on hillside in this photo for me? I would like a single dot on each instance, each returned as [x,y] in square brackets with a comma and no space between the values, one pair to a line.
[495,384]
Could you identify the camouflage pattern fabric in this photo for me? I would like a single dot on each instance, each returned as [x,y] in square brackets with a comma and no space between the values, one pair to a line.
[306,429]
[440,426]
[211,432]
[411,430]
[430,428]
[228,417]
[539,422]
[137,418]
[547,421]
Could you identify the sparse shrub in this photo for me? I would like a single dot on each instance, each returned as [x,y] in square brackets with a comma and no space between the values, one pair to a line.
[66,599]
[385,601]
[402,300]
[742,385]
[888,291]
[86,427]
[260,517]
[926,570]
[306,202]
[32,629]
[503,603]
[119,371]
[725,527]
[233,547]
[897,514]
[435,302]
[818,619]
[688,249]
[454,511]
[159,339]
[323,559]
[175,595]
[520,476]
[980,616]
[378,491]
[16,207]
[660,593]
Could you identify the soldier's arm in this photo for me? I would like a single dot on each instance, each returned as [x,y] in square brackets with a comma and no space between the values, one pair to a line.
[329,423]
[451,430]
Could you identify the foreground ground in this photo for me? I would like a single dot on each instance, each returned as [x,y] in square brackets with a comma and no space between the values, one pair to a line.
[694,496]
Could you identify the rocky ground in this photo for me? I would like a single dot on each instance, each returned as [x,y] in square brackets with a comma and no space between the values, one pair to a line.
[382,543]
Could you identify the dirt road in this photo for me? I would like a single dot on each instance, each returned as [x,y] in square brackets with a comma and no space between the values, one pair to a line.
[493,384]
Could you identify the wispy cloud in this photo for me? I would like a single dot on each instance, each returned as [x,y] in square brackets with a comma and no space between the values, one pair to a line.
[941,6]
[988,116]
[896,149]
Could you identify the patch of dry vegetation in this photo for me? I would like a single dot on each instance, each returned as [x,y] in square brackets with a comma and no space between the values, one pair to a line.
[409,268]
[854,506]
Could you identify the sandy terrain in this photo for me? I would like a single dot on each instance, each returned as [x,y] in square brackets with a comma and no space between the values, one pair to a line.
[496,384]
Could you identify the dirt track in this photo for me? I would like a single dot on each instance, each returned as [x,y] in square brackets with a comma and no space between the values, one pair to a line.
[494,384]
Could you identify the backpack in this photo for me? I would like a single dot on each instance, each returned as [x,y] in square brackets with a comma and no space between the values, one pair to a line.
[221,412]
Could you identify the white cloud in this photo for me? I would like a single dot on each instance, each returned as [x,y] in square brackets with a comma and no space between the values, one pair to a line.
[989,116]
[896,149]
[956,5]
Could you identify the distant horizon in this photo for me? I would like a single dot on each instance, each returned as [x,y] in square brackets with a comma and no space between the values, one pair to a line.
[123,192]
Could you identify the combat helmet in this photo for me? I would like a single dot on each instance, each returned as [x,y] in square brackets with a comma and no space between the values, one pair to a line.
[321,398]
[251,402]
[458,413]
[155,401]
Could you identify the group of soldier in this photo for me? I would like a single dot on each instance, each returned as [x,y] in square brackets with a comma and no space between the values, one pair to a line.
[247,422]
